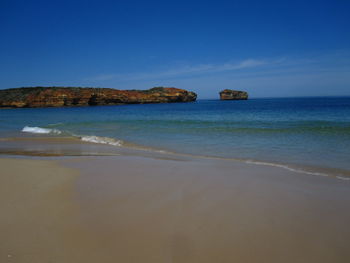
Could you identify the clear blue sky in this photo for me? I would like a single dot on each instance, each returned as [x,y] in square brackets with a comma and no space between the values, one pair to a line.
[269,48]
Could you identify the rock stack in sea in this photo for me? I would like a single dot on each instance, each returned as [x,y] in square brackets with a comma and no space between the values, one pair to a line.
[229,94]
[33,97]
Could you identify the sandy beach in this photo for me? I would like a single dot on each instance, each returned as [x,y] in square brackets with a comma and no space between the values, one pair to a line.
[175,131]
[143,209]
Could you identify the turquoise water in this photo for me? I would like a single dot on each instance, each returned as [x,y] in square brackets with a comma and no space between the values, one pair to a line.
[303,131]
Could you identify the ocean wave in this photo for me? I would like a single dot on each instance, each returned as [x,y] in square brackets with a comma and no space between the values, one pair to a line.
[101,140]
[296,170]
[84,138]
[39,130]
[333,174]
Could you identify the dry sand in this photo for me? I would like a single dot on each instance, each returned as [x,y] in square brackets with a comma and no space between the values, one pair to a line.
[137,209]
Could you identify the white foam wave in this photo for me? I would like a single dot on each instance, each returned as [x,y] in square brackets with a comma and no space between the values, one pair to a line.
[343,178]
[286,167]
[101,140]
[40,130]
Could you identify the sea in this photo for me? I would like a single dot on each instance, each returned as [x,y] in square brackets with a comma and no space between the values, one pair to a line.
[305,134]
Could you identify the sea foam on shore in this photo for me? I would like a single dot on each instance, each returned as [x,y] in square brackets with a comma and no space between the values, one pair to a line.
[40,130]
[102,140]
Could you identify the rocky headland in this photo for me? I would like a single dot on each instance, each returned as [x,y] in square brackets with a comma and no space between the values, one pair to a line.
[229,94]
[34,97]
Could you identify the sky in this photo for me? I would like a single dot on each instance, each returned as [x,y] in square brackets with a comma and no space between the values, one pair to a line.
[268,48]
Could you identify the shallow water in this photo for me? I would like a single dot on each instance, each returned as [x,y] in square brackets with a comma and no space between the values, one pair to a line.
[297,131]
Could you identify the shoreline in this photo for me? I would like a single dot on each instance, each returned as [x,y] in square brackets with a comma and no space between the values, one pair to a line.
[270,133]
[77,146]
[144,209]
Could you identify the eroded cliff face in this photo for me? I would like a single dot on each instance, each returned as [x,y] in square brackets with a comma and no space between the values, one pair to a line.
[229,94]
[72,96]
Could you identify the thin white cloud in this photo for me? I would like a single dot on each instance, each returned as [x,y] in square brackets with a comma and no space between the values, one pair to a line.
[183,71]
[309,74]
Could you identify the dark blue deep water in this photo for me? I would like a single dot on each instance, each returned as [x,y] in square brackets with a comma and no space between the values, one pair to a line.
[303,131]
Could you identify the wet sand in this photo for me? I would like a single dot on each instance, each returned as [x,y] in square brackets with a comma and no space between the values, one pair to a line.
[39,218]
[142,209]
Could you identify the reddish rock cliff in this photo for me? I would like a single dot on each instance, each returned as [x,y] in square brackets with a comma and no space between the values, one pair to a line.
[229,94]
[71,96]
